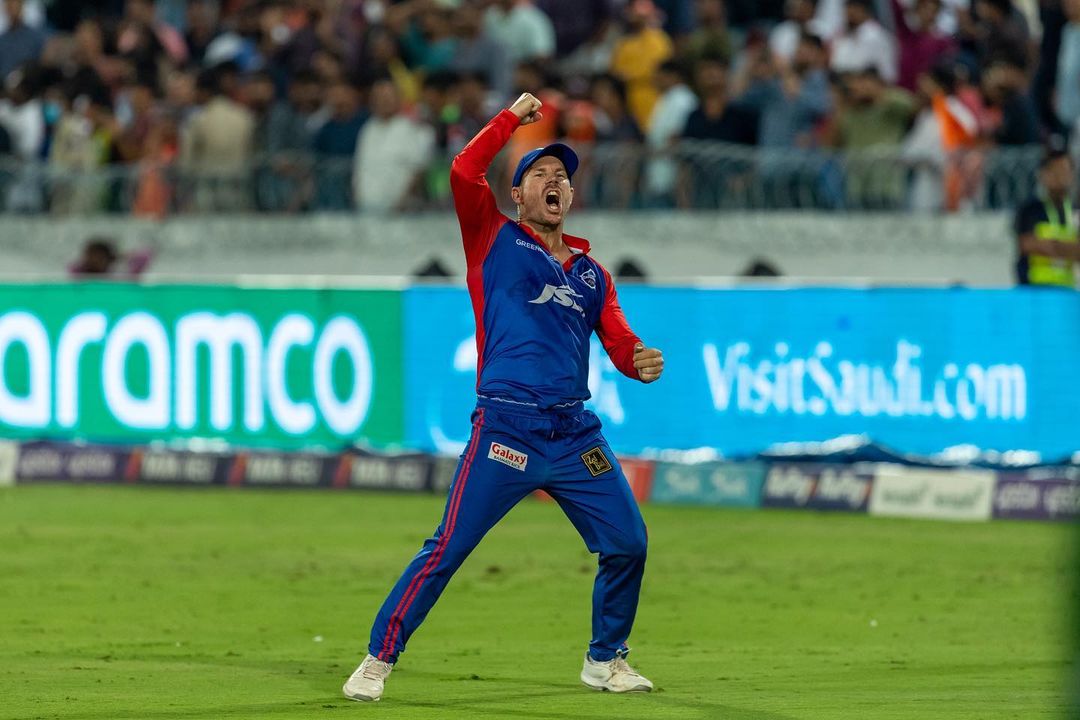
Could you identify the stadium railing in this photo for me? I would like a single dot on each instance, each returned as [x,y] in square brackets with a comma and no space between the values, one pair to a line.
[691,175]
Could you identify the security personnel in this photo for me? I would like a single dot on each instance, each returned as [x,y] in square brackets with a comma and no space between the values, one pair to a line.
[1046,227]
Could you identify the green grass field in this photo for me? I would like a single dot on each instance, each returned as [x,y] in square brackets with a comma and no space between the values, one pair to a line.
[124,603]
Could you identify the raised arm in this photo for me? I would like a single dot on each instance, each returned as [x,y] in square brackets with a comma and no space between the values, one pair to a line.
[627,352]
[478,214]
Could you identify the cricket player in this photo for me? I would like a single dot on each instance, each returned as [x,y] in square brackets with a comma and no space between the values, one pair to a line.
[537,296]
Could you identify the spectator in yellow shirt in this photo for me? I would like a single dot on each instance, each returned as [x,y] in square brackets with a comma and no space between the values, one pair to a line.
[638,55]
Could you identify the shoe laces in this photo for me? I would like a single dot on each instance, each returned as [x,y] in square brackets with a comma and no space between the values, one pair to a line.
[619,664]
[375,670]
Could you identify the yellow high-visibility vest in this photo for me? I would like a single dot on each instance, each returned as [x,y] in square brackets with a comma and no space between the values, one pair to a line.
[1044,270]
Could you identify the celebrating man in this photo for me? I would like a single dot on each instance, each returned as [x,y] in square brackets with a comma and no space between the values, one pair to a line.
[537,296]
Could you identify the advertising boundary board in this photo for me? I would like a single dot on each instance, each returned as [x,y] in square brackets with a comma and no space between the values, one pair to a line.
[1049,493]
[928,373]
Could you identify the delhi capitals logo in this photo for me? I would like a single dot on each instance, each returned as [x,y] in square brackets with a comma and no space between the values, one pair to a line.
[589,278]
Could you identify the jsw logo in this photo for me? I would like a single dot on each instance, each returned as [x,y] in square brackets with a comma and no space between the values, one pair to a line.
[563,295]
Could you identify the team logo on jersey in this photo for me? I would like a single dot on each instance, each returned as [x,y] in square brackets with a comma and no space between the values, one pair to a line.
[596,461]
[563,295]
[508,456]
[589,278]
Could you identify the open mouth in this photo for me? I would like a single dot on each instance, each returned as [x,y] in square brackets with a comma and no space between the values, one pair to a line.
[554,202]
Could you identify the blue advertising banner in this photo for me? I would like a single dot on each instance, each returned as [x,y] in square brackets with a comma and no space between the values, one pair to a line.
[915,369]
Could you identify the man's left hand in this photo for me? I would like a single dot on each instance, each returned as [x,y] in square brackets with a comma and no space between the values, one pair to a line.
[649,363]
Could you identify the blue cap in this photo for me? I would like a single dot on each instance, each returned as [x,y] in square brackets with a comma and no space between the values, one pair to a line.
[556,150]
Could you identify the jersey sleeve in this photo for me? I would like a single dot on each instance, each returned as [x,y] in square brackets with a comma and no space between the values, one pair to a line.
[615,333]
[477,212]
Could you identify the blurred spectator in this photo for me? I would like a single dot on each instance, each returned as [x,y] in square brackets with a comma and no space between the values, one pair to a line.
[391,154]
[637,56]
[1067,93]
[527,78]
[677,17]
[286,39]
[709,177]
[873,117]
[476,109]
[134,131]
[944,126]
[22,114]
[428,42]
[289,61]
[383,59]
[216,147]
[784,38]
[202,28]
[283,132]
[20,43]
[432,269]
[630,270]
[577,21]
[1005,88]
[335,145]
[615,164]
[141,32]
[711,37]
[441,110]
[873,114]
[996,31]
[82,147]
[99,258]
[864,43]
[760,268]
[614,123]
[594,55]
[755,13]
[717,117]
[920,41]
[791,99]
[1046,227]
[668,121]
[477,51]
[523,28]
[33,14]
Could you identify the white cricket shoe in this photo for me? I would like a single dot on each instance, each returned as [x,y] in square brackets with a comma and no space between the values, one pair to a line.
[615,675]
[366,683]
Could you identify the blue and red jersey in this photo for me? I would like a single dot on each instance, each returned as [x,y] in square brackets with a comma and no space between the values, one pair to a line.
[534,315]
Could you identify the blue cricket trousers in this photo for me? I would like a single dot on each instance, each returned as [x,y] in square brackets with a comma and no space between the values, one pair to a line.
[512,451]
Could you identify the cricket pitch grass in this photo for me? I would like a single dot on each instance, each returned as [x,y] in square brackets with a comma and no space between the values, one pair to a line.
[125,603]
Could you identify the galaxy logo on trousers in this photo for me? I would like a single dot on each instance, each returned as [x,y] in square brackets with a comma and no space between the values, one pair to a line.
[508,456]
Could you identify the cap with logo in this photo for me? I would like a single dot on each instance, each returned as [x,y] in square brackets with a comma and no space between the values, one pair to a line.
[561,151]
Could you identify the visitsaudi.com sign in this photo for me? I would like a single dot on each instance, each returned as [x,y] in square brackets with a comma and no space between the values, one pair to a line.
[249,366]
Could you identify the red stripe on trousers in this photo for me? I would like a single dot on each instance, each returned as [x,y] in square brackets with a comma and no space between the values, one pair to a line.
[397,617]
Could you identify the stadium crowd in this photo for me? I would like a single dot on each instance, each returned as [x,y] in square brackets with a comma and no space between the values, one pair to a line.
[156,107]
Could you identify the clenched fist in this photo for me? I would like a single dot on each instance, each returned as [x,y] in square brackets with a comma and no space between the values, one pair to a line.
[649,363]
[527,108]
